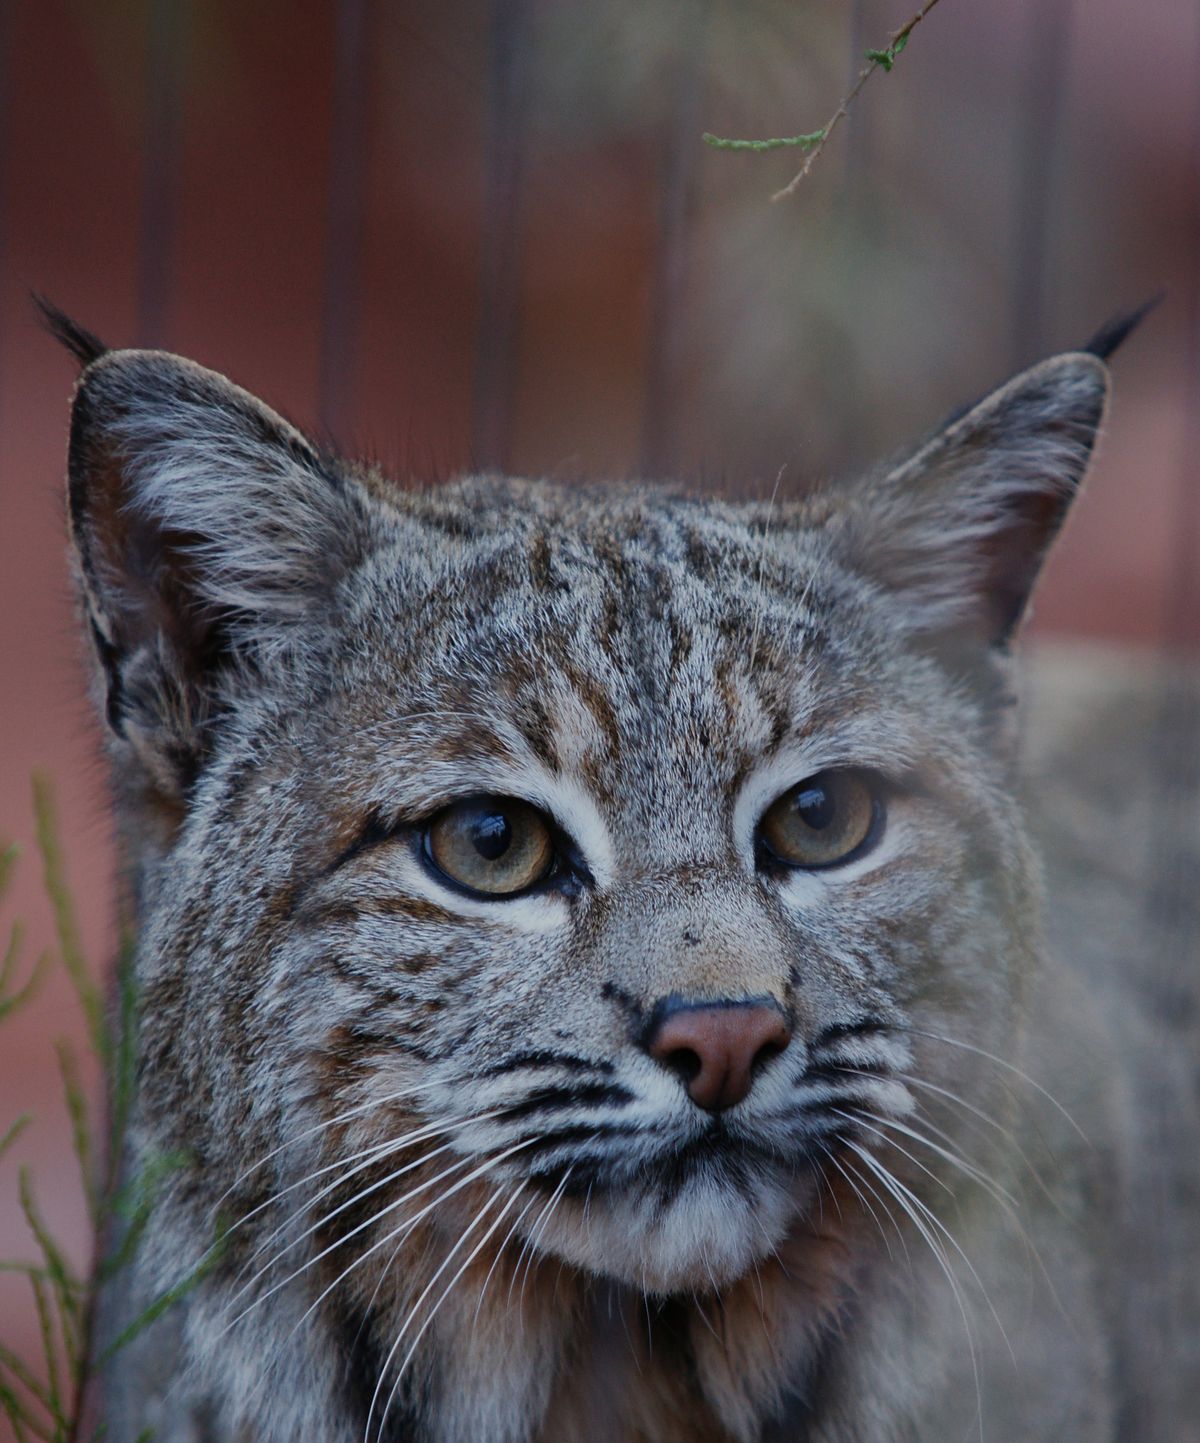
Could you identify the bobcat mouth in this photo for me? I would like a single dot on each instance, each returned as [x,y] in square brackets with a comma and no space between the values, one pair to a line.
[717,1154]
[696,1215]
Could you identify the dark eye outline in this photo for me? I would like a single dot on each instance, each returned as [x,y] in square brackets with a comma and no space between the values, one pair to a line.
[768,860]
[567,873]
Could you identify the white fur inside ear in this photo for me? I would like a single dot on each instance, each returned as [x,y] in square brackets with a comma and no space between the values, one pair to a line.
[960,529]
[220,480]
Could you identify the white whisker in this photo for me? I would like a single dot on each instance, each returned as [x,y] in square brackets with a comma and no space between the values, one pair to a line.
[829,1153]
[906,1201]
[1009,1067]
[413,1311]
[398,1202]
[499,1254]
[381,1151]
[535,1233]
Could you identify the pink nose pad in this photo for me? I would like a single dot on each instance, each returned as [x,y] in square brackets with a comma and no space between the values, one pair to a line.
[716,1048]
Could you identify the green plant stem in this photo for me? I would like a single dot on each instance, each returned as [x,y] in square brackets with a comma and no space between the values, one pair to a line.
[65,921]
[813,142]
[779,142]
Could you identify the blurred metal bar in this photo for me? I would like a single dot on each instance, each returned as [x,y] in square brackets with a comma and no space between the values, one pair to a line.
[854,145]
[1160,1343]
[160,167]
[680,166]
[501,235]
[5,131]
[341,292]
[1040,121]
[1183,607]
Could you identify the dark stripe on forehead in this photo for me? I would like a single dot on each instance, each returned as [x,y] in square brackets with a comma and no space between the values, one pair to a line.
[533,721]
[543,574]
[681,644]
[594,695]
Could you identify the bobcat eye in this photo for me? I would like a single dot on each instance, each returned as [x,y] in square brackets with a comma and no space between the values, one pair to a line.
[494,845]
[827,819]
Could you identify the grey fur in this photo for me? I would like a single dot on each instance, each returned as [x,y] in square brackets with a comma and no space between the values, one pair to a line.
[302,664]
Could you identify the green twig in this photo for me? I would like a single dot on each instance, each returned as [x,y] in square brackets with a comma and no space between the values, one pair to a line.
[77,1110]
[8,968]
[25,1375]
[8,860]
[65,922]
[173,1295]
[15,1132]
[49,1348]
[48,1410]
[135,1204]
[66,1288]
[814,141]
[18,1416]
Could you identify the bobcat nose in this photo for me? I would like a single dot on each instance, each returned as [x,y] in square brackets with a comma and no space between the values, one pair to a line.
[716,1047]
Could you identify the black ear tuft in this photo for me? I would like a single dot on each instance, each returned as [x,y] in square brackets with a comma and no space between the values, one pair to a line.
[81,343]
[1115,331]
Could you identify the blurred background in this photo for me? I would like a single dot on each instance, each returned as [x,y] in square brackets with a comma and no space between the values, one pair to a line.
[452,234]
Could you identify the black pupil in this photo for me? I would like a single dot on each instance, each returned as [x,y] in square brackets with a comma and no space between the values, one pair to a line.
[816,806]
[491,834]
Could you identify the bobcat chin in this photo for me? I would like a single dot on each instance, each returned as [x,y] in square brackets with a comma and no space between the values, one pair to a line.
[585,937]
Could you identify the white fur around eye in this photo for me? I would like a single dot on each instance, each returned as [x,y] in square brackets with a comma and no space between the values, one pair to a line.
[767,785]
[563,798]
[540,912]
[801,889]
[571,806]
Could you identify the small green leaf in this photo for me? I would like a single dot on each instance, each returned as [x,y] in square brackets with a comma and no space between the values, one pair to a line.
[22,1424]
[25,1375]
[66,924]
[172,1296]
[15,1132]
[887,58]
[780,142]
[81,1137]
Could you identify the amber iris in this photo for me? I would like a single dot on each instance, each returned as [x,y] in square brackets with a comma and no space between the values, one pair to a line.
[497,846]
[825,820]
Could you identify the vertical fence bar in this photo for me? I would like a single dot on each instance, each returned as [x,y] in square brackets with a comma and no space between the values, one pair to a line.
[1040,119]
[854,140]
[680,166]
[1162,1307]
[160,164]
[501,234]
[345,214]
[4,142]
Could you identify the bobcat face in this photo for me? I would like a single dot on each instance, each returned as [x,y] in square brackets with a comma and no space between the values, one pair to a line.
[517,685]
[598,875]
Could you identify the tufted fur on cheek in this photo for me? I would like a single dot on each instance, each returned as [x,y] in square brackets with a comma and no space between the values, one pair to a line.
[208,535]
[958,531]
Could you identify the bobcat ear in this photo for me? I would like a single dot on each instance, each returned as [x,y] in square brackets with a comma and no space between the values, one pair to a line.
[205,528]
[959,530]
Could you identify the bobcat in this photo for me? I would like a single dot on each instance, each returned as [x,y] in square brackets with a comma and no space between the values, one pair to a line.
[588,942]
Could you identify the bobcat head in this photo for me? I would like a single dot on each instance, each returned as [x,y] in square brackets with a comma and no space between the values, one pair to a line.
[592,876]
